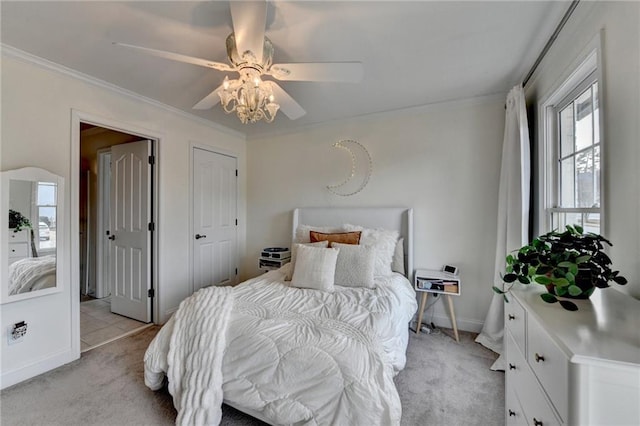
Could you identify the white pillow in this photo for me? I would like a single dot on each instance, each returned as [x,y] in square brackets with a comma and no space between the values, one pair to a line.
[302,232]
[315,268]
[294,253]
[355,265]
[384,242]
[397,265]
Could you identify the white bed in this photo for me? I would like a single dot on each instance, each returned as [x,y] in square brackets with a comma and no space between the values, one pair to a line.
[289,355]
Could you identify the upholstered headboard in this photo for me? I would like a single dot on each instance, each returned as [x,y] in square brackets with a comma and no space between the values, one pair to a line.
[392,218]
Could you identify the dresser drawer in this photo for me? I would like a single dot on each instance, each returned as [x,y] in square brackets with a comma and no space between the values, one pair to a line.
[18,250]
[19,237]
[514,320]
[530,398]
[537,409]
[513,410]
[515,362]
[550,366]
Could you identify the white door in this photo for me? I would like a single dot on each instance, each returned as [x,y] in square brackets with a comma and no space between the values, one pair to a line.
[130,234]
[215,259]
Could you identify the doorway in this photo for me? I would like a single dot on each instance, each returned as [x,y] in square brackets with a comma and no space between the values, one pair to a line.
[116,227]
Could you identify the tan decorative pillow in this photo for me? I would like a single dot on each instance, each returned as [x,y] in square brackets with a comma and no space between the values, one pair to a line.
[302,232]
[339,237]
[294,255]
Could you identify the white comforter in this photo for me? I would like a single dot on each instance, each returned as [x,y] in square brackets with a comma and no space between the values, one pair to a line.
[32,273]
[295,356]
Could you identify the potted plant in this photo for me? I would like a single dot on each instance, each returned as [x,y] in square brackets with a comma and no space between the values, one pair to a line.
[17,221]
[570,264]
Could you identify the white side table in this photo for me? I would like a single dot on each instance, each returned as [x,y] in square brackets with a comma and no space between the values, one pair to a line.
[431,281]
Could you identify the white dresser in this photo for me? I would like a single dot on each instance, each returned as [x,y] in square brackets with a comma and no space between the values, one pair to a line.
[572,368]
[18,245]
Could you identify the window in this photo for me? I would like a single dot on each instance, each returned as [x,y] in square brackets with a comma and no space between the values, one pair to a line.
[46,208]
[569,163]
[576,199]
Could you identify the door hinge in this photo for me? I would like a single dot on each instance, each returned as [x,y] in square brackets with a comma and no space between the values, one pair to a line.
[151,293]
[236,172]
[236,271]
[152,226]
[152,159]
[236,222]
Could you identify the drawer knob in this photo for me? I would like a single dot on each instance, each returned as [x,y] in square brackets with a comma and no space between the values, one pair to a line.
[511,317]
[539,358]
[537,422]
[512,367]
[512,413]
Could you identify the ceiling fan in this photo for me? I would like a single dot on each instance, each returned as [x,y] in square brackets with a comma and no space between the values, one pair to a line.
[250,54]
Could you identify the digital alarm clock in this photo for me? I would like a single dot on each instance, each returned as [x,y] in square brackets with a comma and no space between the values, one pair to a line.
[453,270]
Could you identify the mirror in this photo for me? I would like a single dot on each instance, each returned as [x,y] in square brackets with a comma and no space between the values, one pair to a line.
[32,230]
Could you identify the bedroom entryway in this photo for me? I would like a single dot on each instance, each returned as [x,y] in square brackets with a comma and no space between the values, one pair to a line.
[98,325]
[116,216]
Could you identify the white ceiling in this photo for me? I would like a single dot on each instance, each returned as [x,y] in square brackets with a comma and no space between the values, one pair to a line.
[414,53]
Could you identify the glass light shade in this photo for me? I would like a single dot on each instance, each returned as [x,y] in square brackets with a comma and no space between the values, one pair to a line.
[251,98]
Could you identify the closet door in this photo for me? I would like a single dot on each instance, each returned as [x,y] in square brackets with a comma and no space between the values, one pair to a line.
[214,209]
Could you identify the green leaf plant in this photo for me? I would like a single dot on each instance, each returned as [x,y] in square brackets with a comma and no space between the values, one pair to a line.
[570,264]
[17,221]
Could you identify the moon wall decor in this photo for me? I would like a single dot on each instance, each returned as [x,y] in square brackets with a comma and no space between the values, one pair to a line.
[361,168]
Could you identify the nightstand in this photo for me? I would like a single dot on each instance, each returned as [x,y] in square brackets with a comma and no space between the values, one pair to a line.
[431,281]
[274,258]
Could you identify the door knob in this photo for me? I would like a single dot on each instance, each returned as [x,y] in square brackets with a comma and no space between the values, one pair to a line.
[198,236]
[112,237]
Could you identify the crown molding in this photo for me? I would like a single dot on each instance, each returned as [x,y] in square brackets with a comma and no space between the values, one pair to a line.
[23,56]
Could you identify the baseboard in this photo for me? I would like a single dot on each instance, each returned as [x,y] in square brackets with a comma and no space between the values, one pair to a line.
[464,324]
[166,315]
[21,374]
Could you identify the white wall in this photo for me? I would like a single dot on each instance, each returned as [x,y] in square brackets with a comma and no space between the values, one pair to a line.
[620,22]
[443,160]
[37,105]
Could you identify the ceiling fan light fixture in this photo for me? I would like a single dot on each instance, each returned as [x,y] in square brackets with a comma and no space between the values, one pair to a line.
[247,57]
[272,108]
[250,54]
[249,97]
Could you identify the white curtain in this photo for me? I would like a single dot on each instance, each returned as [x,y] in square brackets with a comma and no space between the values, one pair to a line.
[513,212]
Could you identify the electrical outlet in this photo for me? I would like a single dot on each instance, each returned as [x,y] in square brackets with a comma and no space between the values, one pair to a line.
[16,332]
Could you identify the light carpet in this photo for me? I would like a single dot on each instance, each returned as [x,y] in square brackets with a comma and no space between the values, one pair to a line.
[445,383]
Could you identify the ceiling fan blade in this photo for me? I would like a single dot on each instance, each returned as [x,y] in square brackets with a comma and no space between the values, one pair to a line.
[288,105]
[348,72]
[249,21]
[210,100]
[180,58]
